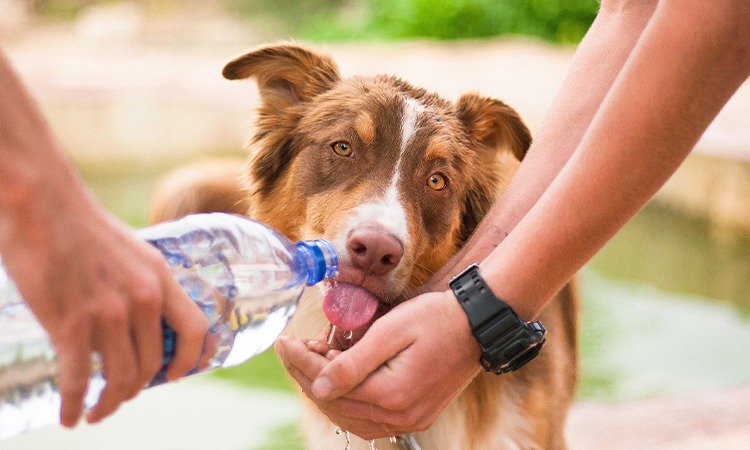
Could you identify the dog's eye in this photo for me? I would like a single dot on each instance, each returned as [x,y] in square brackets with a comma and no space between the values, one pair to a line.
[437,182]
[342,148]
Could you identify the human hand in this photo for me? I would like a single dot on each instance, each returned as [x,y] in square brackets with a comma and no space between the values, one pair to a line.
[92,284]
[399,377]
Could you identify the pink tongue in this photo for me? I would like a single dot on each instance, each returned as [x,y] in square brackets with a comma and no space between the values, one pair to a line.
[349,307]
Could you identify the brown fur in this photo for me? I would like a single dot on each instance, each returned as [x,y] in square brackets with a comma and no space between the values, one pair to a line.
[297,185]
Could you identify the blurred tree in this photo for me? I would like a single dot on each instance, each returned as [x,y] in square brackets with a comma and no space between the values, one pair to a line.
[554,20]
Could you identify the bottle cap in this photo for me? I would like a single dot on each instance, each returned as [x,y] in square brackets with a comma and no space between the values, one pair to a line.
[319,258]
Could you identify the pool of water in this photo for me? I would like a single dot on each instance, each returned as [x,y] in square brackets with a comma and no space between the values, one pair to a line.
[665,303]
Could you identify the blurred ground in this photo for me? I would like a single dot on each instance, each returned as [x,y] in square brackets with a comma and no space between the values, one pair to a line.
[119,90]
[712,420]
[193,414]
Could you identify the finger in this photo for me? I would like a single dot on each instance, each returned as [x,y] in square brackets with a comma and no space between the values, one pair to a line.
[74,365]
[318,346]
[210,347]
[190,326]
[345,408]
[352,415]
[147,332]
[295,353]
[113,341]
[382,342]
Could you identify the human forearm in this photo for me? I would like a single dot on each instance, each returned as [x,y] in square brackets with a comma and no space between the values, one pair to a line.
[31,162]
[675,82]
[596,63]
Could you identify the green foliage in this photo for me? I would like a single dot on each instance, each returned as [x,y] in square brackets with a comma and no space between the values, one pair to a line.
[553,20]
[558,20]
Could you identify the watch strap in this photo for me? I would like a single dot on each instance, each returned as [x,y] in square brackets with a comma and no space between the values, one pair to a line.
[507,342]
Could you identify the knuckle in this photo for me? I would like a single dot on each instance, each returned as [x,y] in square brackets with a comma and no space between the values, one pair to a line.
[148,297]
[75,388]
[122,380]
[396,401]
[344,368]
[112,315]
[409,420]
[72,328]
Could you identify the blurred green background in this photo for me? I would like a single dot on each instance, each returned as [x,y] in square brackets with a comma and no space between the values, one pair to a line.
[563,21]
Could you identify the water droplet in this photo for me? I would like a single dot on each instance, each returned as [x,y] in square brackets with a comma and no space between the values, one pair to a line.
[372,445]
[331,332]
[339,432]
[393,439]
[348,334]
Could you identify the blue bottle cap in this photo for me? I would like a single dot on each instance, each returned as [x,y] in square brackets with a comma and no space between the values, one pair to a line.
[320,259]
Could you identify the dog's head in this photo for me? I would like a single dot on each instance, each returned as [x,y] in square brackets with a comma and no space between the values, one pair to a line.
[396,177]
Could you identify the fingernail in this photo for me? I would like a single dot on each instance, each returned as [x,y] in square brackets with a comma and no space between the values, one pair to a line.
[322,388]
[279,347]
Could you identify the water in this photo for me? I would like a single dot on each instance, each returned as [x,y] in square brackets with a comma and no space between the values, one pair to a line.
[246,278]
[331,334]
[348,445]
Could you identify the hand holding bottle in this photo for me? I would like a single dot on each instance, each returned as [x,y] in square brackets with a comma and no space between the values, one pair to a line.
[90,281]
[245,278]
[95,286]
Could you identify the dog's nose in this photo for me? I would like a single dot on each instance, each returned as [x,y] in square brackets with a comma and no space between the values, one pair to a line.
[373,250]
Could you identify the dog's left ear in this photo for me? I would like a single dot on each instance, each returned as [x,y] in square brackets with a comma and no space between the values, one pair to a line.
[287,74]
[492,127]
[492,124]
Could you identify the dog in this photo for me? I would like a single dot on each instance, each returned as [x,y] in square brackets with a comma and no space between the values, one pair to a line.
[397,178]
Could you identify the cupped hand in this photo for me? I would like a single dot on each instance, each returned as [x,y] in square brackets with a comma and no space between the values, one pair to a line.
[399,377]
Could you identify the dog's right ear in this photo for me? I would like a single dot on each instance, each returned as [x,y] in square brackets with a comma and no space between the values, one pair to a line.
[287,74]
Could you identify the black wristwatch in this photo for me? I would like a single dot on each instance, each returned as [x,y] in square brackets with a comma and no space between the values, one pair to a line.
[507,342]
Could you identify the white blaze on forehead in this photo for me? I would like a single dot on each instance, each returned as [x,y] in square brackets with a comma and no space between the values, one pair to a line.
[389,212]
[409,126]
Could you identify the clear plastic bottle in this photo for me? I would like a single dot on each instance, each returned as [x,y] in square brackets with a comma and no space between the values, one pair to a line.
[246,278]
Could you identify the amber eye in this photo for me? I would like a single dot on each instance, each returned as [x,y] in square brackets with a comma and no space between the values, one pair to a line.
[342,148]
[437,182]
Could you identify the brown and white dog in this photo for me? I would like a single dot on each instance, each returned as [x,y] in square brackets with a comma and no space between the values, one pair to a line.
[397,178]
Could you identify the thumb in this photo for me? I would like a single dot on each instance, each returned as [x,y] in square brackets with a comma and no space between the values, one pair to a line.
[382,342]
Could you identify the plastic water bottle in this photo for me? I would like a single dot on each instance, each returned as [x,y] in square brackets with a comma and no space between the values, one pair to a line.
[246,278]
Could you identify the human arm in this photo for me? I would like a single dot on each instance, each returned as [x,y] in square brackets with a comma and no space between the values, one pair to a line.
[92,284]
[691,58]
[403,392]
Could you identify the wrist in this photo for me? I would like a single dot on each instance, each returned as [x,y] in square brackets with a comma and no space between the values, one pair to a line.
[507,342]
[36,198]
[458,317]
